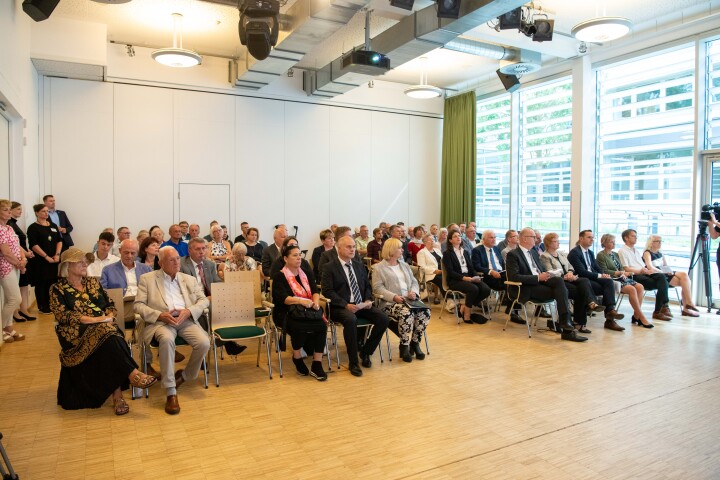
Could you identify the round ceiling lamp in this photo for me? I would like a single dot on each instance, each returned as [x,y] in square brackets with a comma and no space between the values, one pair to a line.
[601,29]
[177,56]
[423,91]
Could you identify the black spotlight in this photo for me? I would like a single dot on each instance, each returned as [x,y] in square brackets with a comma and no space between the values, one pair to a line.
[404,4]
[39,10]
[510,19]
[543,30]
[528,29]
[448,8]
[259,26]
[510,82]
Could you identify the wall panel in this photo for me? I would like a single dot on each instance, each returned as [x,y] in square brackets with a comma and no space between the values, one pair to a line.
[390,163]
[425,147]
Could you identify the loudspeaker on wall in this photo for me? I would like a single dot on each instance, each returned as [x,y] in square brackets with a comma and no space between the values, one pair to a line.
[39,10]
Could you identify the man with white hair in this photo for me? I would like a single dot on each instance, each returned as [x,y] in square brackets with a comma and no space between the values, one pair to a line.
[170,303]
[272,252]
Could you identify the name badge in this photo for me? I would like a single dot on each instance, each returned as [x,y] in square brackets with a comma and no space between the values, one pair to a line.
[53,230]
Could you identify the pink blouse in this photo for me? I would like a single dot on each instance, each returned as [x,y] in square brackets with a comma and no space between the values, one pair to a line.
[8,237]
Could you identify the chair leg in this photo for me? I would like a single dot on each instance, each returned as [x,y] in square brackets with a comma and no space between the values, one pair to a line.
[267,350]
[277,347]
[257,362]
[427,345]
[387,339]
[215,357]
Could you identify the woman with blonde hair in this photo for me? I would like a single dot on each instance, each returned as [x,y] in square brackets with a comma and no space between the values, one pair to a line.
[219,249]
[657,263]
[393,280]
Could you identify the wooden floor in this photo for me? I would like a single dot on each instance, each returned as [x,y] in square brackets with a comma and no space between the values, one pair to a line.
[643,404]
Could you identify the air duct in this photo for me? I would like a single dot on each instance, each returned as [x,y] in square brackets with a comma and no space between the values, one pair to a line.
[481,49]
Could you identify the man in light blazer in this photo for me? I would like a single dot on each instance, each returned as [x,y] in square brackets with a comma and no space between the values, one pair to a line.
[583,261]
[524,266]
[171,303]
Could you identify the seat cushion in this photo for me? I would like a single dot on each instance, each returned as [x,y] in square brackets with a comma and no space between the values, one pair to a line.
[232,333]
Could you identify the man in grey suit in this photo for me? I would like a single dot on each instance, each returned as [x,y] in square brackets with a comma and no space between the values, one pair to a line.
[171,303]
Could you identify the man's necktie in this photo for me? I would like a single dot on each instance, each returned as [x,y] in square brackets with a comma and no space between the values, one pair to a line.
[587,259]
[492,259]
[354,284]
[202,279]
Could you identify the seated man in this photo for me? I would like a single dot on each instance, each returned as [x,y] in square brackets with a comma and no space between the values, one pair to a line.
[345,283]
[487,259]
[331,255]
[184,231]
[171,303]
[176,240]
[123,233]
[103,257]
[272,253]
[583,261]
[632,262]
[510,243]
[523,265]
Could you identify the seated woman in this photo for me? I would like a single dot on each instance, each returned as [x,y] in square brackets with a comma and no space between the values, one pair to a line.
[142,235]
[279,263]
[148,253]
[609,262]
[442,239]
[95,359]
[657,263]
[429,259]
[157,233]
[395,282]
[295,285]
[327,237]
[239,261]
[254,248]
[218,249]
[461,276]
[375,245]
[416,243]
[579,289]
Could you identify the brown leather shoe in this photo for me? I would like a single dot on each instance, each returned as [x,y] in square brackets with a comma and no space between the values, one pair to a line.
[594,307]
[179,357]
[613,315]
[179,380]
[610,324]
[660,316]
[172,407]
[666,311]
[151,371]
[689,313]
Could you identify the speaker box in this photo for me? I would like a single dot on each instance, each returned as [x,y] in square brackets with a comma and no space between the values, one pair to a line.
[39,10]
[510,82]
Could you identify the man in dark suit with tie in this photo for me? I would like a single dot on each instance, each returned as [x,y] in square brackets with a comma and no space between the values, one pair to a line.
[345,283]
[59,218]
[331,255]
[585,265]
[486,258]
[523,265]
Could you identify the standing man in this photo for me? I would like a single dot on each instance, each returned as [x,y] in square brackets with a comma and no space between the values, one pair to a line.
[524,266]
[583,261]
[59,218]
[175,241]
[346,284]
[171,303]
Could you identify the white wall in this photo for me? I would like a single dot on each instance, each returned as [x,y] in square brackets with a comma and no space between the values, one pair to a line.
[118,152]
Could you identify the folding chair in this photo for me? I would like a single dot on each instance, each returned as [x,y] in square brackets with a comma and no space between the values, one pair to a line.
[116,295]
[456,295]
[516,300]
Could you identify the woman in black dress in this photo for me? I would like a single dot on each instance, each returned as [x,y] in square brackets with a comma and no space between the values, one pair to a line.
[254,247]
[44,240]
[95,359]
[22,313]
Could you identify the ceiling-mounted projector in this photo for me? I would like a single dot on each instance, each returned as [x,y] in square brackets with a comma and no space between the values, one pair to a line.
[366,62]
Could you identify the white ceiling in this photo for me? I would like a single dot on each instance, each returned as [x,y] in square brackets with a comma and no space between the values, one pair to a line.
[211,29]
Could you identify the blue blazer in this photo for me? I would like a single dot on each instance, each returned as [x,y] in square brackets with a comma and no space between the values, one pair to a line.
[113,276]
[575,257]
[481,262]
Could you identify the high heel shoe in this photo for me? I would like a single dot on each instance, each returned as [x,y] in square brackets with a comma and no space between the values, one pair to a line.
[638,322]
[18,320]
[27,317]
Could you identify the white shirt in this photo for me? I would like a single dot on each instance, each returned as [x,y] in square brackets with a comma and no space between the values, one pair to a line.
[586,255]
[95,268]
[630,257]
[131,280]
[347,276]
[461,259]
[401,279]
[491,254]
[198,267]
[530,260]
[173,295]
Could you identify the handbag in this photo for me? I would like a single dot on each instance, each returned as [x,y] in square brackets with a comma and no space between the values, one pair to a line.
[302,314]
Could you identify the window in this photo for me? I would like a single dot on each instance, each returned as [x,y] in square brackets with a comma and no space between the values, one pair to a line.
[645,149]
[545,151]
[712,92]
[493,164]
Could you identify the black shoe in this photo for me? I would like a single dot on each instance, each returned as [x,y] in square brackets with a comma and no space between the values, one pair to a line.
[544,314]
[515,318]
[302,369]
[415,350]
[554,327]
[234,348]
[479,318]
[405,353]
[365,360]
[572,336]
[317,371]
[583,329]
[355,370]
[18,320]
[27,317]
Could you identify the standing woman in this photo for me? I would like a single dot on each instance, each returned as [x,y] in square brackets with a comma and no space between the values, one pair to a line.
[16,211]
[45,241]
[394,282]
[12,262]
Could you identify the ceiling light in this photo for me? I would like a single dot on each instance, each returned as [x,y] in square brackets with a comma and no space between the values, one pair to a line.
[177,56]
[602,29]
[423,91]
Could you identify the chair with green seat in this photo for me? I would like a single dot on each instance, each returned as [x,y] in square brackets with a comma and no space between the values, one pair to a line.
[233,319]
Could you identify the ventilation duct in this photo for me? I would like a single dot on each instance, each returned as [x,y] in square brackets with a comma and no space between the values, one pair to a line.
[481,49]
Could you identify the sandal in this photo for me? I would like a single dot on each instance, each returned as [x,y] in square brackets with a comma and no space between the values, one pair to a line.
[121,407]
[17,336]
[142,381]
[7,338]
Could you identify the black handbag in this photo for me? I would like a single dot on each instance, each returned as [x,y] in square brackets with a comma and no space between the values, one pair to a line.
[302,314]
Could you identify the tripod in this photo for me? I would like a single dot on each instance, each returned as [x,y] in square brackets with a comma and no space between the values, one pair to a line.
[701,251]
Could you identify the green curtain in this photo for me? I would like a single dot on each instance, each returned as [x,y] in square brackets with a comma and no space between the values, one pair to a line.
[459,153]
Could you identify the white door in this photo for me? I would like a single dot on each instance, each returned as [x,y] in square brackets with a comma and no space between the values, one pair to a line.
[201,203]
[4,158]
